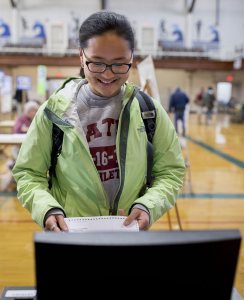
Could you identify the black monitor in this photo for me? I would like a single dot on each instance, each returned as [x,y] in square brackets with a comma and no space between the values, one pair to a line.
[197,265]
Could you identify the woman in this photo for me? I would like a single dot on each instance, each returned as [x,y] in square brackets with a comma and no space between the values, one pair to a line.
[103,162]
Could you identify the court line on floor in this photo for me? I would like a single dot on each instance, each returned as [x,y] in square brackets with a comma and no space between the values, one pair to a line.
[202,222]
[182,196]
[8,194]
[212,195]
[212,222]
[239,163]
[16,221]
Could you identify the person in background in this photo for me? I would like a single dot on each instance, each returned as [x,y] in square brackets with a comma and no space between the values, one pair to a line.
[177,104]
[19,99]
[23,122]
[199,102]
[102,167]
[208,102]
[22,125]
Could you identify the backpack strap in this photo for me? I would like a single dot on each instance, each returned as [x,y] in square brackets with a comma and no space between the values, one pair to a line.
[57,139]
[148,113]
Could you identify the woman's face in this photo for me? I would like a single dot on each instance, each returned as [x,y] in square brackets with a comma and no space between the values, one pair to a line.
[108,48]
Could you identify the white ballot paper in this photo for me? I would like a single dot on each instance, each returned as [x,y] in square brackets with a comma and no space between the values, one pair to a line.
[101,223]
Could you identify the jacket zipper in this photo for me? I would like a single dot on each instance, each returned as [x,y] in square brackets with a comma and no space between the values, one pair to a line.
[114,208]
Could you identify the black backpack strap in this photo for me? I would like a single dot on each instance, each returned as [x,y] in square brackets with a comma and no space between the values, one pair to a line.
[57,139]
[148,113]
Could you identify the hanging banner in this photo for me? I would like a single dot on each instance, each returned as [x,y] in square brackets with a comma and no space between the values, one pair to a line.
[41,80]
[6,94]
[147,77]
[224,92]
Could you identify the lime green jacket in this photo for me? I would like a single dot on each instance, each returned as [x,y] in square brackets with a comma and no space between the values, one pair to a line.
[77,188]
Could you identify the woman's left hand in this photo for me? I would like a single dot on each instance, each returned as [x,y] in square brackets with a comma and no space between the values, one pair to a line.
[140,216]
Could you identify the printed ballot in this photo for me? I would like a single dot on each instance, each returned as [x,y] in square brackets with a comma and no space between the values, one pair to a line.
[101,223]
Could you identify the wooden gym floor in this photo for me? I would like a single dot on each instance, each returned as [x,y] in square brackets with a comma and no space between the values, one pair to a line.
[212,198]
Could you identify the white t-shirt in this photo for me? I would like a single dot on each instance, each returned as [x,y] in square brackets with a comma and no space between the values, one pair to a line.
[99,117]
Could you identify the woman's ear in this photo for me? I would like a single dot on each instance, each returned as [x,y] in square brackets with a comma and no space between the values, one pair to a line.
[81,59]
[82,74]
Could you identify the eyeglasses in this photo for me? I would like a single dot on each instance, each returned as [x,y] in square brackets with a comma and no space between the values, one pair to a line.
[97,67]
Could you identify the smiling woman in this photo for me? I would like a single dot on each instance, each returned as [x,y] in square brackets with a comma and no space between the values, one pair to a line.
[104,142]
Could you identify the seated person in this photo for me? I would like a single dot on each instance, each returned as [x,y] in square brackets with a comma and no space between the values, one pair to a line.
[21,126]
[23,122]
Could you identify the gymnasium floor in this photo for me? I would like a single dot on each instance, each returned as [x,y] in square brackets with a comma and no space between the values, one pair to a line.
[212,198]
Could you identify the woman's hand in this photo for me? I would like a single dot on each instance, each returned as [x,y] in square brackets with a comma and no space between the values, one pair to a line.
[56,223]
[140,216]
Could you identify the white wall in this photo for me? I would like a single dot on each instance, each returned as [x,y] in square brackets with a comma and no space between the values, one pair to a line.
[145,13]
[149,13]
[191,82]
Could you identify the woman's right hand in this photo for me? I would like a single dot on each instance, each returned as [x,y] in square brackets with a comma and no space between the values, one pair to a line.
[56,223]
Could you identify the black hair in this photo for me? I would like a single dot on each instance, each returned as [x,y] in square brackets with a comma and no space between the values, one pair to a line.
[81,73]
[102,22]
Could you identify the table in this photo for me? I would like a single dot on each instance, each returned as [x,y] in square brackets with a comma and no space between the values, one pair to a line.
[8,139]
[6,126]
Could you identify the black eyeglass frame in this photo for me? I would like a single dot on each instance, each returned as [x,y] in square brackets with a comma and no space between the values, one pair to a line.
[110,66]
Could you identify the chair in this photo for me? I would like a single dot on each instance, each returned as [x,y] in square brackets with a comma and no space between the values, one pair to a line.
[177,217]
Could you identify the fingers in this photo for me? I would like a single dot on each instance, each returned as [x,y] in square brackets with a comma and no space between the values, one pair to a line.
[121,212]
[62,225]
[54,228]
[132,216]
[140,216]
[50,226]
[56,223]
